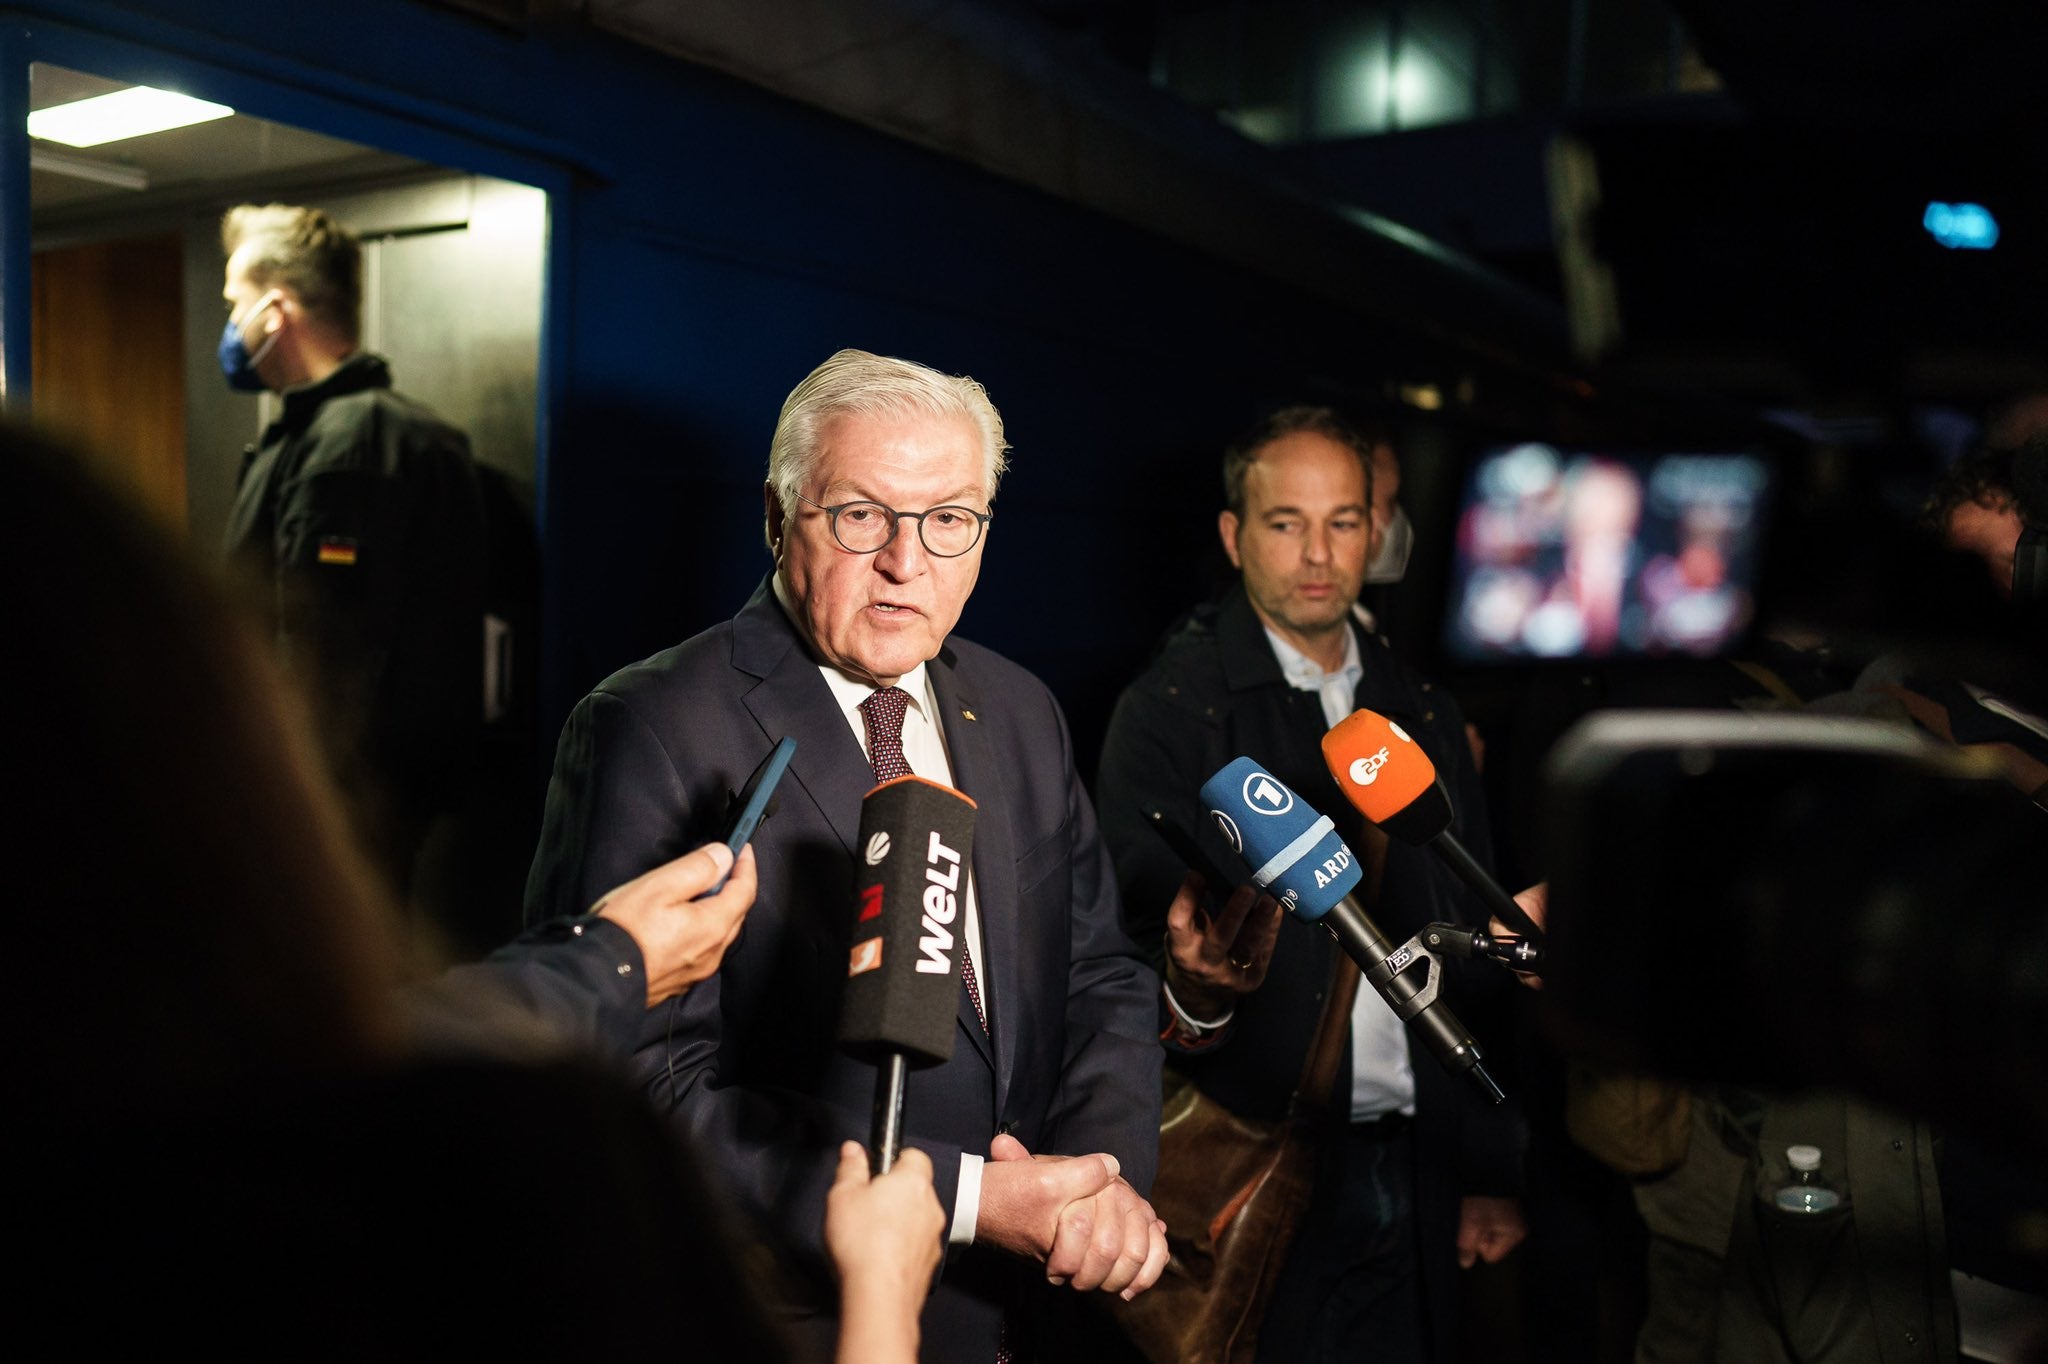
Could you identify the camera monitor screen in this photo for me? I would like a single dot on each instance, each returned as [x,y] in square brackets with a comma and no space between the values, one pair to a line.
[1576,554]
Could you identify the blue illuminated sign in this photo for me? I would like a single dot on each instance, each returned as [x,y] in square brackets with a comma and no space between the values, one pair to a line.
[1961,227]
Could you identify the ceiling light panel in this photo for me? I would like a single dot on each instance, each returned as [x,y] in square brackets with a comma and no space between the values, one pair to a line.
[134,112]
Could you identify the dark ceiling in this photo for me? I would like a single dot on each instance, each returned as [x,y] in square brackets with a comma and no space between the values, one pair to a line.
[1938,75]
[1770,229]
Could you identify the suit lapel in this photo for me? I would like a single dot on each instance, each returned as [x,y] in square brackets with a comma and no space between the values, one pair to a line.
[792,699]
[975,772]
[833,771]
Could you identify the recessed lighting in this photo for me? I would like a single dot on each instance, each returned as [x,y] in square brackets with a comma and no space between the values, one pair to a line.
[133,112]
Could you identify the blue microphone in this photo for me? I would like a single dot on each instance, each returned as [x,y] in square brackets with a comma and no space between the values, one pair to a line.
[1297,856]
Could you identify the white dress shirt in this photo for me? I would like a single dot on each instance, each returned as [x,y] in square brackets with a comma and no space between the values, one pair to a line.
[924,748]
[1382,1079]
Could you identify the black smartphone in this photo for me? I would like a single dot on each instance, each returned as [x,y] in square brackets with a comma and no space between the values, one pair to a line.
[1218,884]
[751,804]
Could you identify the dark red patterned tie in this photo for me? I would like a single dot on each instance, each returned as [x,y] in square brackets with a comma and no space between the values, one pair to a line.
[883,713]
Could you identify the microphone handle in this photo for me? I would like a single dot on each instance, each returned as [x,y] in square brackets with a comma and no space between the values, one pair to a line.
[1498,902]
[1392,972]
[885,1132]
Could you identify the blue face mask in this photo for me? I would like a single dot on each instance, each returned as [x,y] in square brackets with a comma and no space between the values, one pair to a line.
[235,360]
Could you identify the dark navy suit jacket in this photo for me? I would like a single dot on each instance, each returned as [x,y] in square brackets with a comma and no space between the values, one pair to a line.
[747,1061]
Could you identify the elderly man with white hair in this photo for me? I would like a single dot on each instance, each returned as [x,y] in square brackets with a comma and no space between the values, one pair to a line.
[1043,1128]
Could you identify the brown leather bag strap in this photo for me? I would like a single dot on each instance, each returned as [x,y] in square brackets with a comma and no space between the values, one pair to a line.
[1319,1073]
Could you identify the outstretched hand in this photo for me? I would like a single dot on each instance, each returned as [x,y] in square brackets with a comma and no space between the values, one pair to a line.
[885,1234]
[1213,959]
[885,1229]
[682,939]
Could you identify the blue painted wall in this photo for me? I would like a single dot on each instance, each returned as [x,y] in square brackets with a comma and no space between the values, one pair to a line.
[713,243]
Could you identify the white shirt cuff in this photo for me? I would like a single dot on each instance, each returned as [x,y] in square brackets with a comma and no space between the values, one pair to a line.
[1194,1024]
[966,1202]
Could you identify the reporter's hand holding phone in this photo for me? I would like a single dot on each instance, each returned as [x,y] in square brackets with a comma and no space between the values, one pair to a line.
[1214,958]
[1215,952]
[684,915]
[682,939]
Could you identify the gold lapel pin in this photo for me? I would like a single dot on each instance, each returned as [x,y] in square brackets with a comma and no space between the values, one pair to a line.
[966,713]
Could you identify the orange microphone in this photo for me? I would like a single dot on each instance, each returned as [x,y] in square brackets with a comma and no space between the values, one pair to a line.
[1385,774]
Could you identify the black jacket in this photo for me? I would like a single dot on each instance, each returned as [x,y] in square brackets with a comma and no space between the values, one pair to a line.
[1215,692]
[358,520]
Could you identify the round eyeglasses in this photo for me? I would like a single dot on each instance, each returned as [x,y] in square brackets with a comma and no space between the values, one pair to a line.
[865,527]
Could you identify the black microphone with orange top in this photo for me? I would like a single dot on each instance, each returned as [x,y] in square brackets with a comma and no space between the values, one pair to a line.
[1386,775]
[903,969]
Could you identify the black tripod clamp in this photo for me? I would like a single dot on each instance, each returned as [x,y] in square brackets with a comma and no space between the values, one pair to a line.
[1516,953]
[1410,975]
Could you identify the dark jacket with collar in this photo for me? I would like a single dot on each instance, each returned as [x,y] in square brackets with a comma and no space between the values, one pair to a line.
[747,1060]
[1216,692]
[359,524]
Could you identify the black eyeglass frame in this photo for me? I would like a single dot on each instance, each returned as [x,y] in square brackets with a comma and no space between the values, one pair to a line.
[896,519]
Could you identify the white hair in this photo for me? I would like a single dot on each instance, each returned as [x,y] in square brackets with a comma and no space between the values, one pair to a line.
[856,381]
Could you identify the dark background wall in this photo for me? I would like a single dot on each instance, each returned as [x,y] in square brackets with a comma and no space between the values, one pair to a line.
[711,243]
[761,236]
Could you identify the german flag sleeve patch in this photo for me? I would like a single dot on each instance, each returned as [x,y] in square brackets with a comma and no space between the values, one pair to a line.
[338,550]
